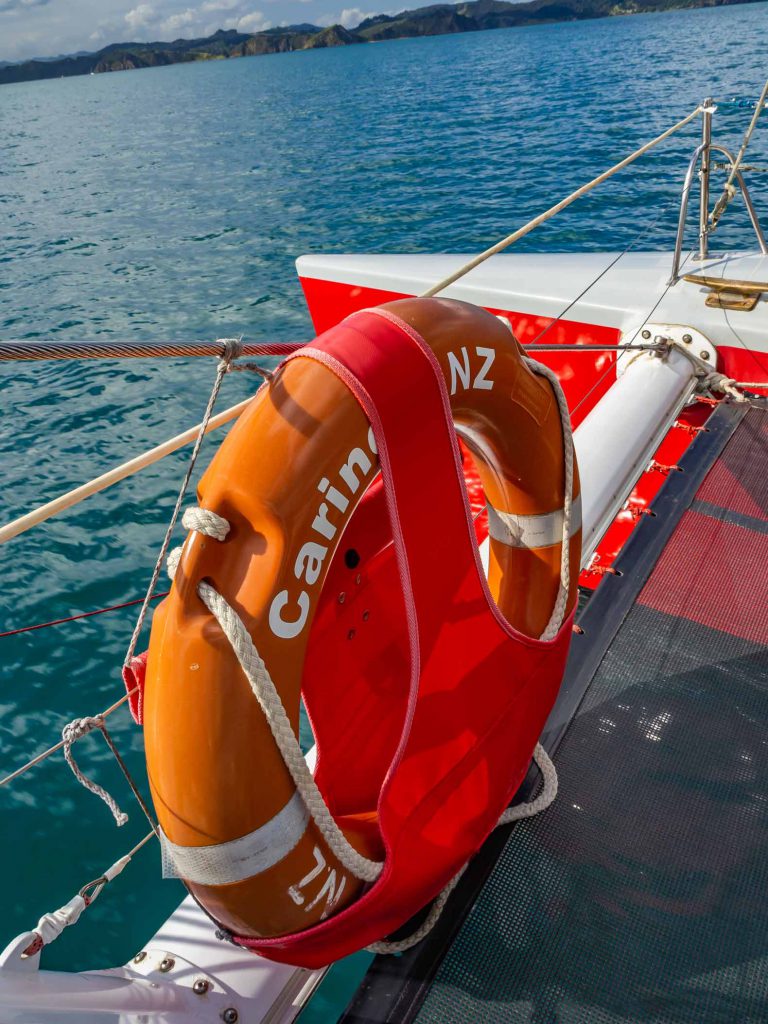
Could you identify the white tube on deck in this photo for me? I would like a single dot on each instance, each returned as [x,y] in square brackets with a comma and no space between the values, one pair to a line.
[617,440]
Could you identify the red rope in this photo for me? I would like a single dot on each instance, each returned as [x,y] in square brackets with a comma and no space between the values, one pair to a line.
[82,615]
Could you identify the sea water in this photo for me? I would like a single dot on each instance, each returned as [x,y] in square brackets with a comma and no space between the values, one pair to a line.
[170,204]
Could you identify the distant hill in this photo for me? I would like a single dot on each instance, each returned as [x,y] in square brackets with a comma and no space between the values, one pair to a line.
[437,19]
[440,19]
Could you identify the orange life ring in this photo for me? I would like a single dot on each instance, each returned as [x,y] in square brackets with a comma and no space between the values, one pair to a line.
[288,480]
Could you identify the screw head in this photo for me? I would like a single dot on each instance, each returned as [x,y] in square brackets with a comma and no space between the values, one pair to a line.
[704,354]
[167,964]
[201,986]
[646,335]
[342,597]
[687,339]
[366,615]
[230,1015]
[139,957]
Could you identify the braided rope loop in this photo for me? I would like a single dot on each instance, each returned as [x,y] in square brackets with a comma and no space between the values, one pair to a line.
[266,694]
[74,731]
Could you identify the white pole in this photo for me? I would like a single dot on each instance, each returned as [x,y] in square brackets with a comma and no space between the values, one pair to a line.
[616,441]
[527,228]
[113,476]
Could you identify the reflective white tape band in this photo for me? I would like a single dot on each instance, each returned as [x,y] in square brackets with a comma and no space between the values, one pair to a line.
[245,857]
[538,531]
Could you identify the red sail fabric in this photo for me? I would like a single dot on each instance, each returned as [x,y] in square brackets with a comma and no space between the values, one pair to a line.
[457,728]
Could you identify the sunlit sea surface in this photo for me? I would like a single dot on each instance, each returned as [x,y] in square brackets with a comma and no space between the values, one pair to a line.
[170,204]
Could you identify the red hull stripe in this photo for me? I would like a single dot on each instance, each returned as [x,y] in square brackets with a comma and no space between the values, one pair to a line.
[330,302]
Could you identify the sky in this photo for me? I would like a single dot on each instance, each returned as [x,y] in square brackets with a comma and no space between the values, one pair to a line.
[47,28]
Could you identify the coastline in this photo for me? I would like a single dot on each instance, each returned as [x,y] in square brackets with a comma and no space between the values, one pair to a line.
[441,19]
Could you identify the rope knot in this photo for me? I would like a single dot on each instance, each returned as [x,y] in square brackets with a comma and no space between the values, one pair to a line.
[80,727]
[232,349]
[715,381]
[202,520]
[74,731]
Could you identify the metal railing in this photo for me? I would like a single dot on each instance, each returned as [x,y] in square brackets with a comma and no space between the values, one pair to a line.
[703,153]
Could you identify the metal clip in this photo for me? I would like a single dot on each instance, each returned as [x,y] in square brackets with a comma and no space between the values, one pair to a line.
[96,885]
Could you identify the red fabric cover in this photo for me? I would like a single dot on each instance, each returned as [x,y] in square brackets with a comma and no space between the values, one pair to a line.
[466,696]
[361,690]
[134,677]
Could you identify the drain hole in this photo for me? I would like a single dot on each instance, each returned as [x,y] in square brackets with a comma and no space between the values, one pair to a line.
[351,558]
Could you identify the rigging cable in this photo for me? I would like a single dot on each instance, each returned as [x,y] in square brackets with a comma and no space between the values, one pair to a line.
[729,189]
[80,615]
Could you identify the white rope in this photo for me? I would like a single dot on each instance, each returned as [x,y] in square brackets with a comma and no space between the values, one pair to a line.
[202,520]
[709,379]
[172,562]
[729,189]
[232,348]
[545,797]
[727,385]
[38,758]
[516,813]
[429,922]
[266,694]
[72,732]
[527,228]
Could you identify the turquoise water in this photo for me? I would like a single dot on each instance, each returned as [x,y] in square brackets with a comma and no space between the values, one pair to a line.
[170,204]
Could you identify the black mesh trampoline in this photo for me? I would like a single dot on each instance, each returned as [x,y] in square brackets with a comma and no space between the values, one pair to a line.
[640,894]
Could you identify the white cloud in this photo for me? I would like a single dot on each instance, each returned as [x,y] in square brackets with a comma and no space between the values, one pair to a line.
[350,17]
[141,16]
[180,21]
[144,20]
[255,21]
[7,6]
[37,28]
